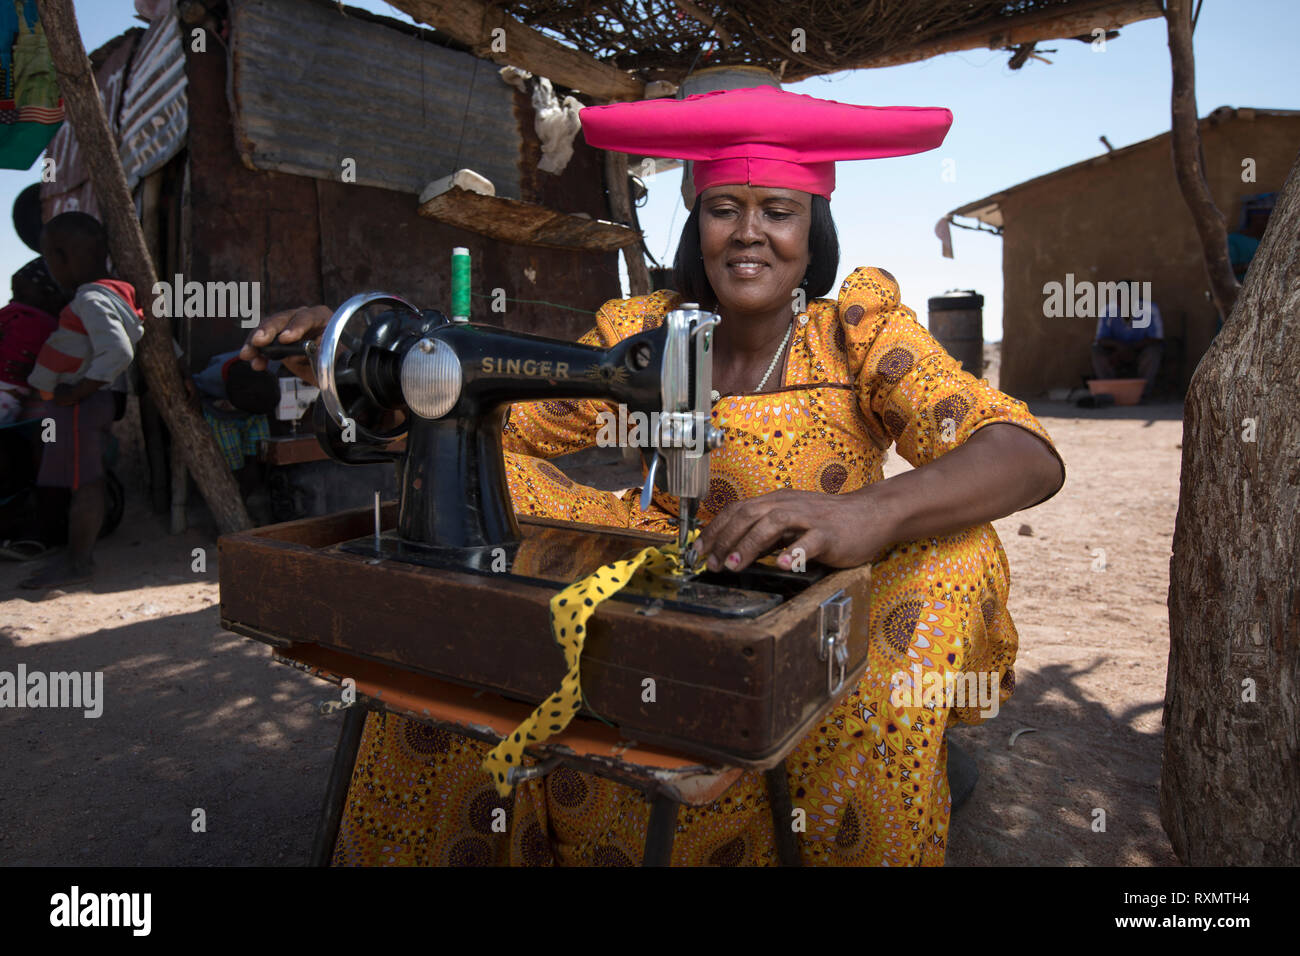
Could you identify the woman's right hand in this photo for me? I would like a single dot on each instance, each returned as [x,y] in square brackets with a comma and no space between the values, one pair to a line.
[291,325]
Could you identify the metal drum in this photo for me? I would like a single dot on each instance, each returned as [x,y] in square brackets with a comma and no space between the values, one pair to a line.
[957,322]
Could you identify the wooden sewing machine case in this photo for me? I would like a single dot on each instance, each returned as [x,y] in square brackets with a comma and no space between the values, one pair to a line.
[740,689]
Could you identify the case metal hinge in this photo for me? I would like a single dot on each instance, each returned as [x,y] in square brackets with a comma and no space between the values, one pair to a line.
[836,613]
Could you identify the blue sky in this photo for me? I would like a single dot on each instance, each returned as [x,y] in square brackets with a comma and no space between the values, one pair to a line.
[1009,126]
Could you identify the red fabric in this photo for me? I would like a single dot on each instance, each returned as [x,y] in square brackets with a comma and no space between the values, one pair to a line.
[70,320]
[815,178]
[124,291]
[23,330]
[764,136]
[59,362]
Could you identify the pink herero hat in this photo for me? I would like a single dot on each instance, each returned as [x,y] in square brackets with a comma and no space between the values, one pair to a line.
[763,136]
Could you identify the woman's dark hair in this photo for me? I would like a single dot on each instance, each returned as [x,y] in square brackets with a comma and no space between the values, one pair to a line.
[823,248]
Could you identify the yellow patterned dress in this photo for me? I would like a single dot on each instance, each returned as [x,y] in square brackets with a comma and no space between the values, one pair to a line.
[862,374]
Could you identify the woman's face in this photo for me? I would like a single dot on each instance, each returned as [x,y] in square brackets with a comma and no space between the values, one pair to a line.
[754,240]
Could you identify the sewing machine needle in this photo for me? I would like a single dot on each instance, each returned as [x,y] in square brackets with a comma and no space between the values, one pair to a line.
[685,522]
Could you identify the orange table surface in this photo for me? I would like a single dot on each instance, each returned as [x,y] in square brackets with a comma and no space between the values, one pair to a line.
[586,744]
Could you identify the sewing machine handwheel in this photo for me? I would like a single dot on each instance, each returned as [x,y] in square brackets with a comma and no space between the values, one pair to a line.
[332,439]
[355,397]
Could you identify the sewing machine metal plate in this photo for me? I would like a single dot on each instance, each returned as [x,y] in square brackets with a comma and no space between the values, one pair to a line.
[555,556]
[739,667]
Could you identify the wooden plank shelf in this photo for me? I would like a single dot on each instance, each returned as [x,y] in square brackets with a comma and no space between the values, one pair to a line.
[525,223]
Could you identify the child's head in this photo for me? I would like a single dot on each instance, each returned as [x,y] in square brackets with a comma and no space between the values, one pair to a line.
[33,285]
[251,391]
[75,248]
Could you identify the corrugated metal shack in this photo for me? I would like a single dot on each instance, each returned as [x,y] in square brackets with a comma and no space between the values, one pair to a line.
[250,138]
[286,142]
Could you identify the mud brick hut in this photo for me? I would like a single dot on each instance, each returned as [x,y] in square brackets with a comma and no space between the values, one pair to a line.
[1121,216]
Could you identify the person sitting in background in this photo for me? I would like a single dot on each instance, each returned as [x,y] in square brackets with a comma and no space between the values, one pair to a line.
[25,323]
[1125,348]
[92,346]
[236,400]
[1244,243]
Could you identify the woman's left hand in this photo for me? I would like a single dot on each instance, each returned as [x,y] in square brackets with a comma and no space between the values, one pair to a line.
[843,531]
[995,472]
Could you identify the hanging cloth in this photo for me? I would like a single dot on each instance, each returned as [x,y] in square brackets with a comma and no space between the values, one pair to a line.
[31,110]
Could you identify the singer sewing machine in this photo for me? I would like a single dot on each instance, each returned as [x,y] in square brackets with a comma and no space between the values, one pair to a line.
[449,584]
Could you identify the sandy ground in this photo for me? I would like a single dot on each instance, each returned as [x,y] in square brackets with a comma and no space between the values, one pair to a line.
[196,718]
[1094,645]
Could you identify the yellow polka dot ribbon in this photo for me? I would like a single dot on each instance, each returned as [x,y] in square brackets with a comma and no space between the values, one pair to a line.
[570,611]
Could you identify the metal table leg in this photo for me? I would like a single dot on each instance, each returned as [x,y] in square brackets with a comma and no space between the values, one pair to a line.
[778,794]
[661,832]
[336,791]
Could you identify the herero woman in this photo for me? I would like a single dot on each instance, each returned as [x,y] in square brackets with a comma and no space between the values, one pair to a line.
[809,400]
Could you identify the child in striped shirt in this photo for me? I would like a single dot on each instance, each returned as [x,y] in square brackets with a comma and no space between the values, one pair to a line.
[93,345]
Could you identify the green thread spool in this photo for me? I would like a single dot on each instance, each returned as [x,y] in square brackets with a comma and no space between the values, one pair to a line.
[460,284]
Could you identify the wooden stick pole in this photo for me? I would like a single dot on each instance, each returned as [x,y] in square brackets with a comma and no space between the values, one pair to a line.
[620,210]
[131,258]
[494,34]
[1189,167]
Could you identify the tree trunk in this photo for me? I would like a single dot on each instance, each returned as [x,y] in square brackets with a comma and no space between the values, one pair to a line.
[1189,159]
[1230,787]
[131,259]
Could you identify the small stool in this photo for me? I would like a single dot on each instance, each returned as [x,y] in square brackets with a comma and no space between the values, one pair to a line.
[668,780]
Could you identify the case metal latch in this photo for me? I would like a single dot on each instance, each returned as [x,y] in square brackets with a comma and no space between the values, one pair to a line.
[836,613]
